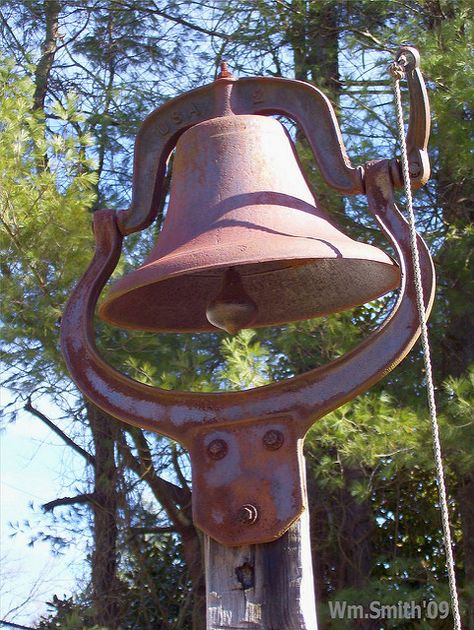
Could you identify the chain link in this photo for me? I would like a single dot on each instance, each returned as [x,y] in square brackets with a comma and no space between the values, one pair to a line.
[395,72]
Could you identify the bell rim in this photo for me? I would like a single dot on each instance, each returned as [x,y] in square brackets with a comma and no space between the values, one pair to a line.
[114,295]
[180,259]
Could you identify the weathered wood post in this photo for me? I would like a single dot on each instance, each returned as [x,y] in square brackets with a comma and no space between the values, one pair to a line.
[245,244]
[265,587]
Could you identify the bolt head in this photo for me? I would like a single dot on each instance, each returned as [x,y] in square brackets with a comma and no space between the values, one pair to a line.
[247,514]
[217,449]
[273,439]
[414,169]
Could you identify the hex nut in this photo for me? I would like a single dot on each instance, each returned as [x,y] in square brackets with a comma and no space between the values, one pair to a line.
[247,514]
[217,449]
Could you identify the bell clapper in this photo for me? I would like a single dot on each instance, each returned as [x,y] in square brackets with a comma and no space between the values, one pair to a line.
[233,309]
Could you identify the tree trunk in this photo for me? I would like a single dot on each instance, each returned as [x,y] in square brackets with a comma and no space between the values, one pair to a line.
[314,36]
[458,351]
[193,554]
[358,525]
[105,588]
[341,529]
[48,50]
[176,501]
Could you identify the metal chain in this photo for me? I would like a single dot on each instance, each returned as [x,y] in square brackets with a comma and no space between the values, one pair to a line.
[397,72]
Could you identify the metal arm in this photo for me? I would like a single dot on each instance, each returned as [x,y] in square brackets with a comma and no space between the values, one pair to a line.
[407,63]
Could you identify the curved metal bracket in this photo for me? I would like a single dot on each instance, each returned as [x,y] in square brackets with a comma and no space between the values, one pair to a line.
[419,122]
[270,480]
[300,101]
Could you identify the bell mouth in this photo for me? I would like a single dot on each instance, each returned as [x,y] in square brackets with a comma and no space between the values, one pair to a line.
[284,290]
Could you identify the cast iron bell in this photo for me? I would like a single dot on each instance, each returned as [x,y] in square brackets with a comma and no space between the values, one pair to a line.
[244,243]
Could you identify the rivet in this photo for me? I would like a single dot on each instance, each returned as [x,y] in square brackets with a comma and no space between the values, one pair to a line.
[217,449]
[273,439]
[248,514]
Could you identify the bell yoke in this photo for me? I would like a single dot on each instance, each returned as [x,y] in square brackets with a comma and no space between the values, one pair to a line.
[245,244]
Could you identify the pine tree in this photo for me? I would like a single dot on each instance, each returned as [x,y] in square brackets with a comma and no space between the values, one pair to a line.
[83,79]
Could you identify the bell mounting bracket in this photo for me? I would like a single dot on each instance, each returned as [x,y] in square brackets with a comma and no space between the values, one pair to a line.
[299,101]
[245,447]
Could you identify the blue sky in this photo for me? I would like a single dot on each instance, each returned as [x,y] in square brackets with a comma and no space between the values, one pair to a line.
[35,468]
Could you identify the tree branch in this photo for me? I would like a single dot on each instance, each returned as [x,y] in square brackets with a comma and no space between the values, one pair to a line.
[169,495]
[35,412]
[152,530]
[17,43]
[179,495]
[177,468]
[80,498]
[177,20]
[368,35]
[9,624]
[14,239]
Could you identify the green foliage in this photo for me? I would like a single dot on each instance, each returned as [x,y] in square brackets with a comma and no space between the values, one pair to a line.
[457,422]
[47,186]
[157,593]
[68,613]
[449,66]
[245,362]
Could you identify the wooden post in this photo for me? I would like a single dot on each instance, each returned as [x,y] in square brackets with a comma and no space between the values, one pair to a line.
[262,587]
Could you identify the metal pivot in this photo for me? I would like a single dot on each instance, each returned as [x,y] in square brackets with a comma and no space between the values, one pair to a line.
[407,63]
